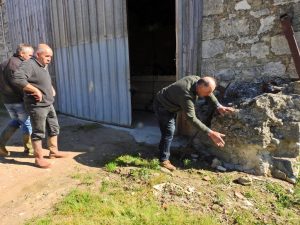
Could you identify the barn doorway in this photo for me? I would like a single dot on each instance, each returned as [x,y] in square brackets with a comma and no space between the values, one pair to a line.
[152,52]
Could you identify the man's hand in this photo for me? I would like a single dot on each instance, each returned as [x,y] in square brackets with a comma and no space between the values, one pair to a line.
[35,92]
[216,137]
[223,110]
[38,96]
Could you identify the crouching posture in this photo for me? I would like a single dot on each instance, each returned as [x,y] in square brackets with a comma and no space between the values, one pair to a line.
[181,96]
[34,79]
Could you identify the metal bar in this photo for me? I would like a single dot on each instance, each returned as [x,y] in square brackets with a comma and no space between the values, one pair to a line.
[290,36]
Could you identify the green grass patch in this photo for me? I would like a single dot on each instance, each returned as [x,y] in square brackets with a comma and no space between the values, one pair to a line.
[84,178]
[141,173]
[111,166]
[128,160]
[187,163]
[244,218]
[283,199]
[113,205]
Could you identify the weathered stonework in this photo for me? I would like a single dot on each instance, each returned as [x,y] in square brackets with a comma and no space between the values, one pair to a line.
[242,5]
[279,45]
[237,54]
[296,17]
[283,2]
[234,27]
[259,50]
[212,7]
[208,29]
[297,36]
[275,69]
[266,24]
[291,70]
[260,13]
[212,48]
[252,38]
[264,136]
[248,40]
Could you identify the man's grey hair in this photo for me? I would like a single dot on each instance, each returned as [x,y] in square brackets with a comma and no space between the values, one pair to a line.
[23,48]
[42,47]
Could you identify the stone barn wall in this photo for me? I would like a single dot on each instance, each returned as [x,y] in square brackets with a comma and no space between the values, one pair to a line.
[244,48]
[243,40]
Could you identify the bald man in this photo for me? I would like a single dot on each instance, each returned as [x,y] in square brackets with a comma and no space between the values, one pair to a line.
[181,96]
[34,79]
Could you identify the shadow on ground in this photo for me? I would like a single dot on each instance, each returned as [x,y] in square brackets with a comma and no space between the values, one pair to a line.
[99,145]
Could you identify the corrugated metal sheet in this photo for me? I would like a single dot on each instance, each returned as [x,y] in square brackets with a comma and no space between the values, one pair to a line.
[188,37]
[90,53]
[29,21]
[188,49]
[92,65]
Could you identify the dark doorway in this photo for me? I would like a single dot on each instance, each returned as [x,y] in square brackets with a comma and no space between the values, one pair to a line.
[152,49]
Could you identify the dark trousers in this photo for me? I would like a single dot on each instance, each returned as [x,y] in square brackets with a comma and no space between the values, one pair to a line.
[42,119]
[166,122]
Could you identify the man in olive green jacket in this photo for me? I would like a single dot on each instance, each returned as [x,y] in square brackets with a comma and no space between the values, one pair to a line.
[181,96]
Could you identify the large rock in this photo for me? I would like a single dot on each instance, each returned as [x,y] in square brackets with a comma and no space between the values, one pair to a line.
[263,136]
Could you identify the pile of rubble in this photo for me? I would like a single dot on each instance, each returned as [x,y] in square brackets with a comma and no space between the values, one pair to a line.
[263,135]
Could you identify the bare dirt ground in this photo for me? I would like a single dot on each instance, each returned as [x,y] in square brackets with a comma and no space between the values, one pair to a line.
[27,191]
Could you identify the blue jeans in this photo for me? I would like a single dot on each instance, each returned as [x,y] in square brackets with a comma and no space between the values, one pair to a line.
[166,122]
[19,116]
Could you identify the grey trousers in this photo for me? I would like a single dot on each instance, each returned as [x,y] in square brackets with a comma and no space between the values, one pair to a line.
[43,119]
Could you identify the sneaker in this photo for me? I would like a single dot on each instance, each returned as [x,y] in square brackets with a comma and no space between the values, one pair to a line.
[4,152]
[167,164]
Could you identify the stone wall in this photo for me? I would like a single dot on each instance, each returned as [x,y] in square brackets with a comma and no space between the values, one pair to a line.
[5,44]
[243,40]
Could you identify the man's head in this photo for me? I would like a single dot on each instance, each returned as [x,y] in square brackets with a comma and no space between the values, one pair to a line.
[25,51]
[205,86]
[44,54]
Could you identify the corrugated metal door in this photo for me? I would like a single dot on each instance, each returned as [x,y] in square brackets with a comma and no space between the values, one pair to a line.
[91,59]
[188,49]
[29,21]
[188,37]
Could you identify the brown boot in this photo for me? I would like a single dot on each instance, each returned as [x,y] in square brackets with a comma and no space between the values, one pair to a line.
[4,137]
[4,152]
[38,154]
[27,145]
[167,164]
[52,146]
